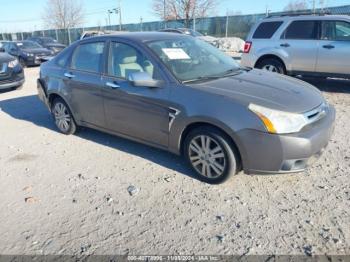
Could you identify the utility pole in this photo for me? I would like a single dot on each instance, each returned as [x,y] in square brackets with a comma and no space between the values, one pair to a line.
[120,15]
[141,24]
[314,6]
[164,14]
[194,15]
[109,17]
[226,24]
[117,10]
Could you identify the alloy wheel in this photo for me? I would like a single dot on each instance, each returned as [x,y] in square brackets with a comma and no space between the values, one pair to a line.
[271,68]
[207,156]
[62,117]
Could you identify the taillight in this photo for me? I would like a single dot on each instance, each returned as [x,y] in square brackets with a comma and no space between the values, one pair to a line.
[247,47]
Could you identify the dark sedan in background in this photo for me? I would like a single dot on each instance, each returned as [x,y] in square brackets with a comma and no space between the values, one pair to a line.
[49,43]
[28,53]
[11,72]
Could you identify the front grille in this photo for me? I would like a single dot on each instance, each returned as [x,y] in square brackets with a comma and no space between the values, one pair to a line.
[7,81]
[317,113]
[3,68]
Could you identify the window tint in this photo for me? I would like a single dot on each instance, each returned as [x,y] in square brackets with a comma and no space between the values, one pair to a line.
[88,57]
[336,30]
[266,30]
[124,60]
[62,59]
[306,30]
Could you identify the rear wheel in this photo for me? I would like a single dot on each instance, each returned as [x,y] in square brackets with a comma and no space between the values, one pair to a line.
[211,155]
[63,117]
[272,65]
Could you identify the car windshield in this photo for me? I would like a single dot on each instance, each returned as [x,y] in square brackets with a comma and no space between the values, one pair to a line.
[48,40]
[28,45]
[191,59]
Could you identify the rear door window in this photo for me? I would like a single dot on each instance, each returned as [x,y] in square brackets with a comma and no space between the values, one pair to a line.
[266,30]
[302,30]
[335,31]
[88,57]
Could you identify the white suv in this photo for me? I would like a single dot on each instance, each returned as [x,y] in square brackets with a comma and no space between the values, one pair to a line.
[315,45]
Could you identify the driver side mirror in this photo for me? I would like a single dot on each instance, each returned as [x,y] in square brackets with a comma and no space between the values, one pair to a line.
[143,79]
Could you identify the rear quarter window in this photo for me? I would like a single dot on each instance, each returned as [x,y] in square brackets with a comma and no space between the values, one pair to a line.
[267,29]
[301,30]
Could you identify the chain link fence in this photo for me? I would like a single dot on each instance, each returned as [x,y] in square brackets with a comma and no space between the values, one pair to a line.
[231,26]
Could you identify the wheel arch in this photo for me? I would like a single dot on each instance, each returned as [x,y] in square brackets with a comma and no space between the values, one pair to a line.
[271,56]
[198,124]
[53,96]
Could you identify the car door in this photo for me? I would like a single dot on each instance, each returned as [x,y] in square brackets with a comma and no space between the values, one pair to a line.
[84,79]
[300,43]
[334,49]
[141,113]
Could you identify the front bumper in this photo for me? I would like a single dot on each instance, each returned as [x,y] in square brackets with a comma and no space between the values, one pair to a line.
[15,80]
[269,153]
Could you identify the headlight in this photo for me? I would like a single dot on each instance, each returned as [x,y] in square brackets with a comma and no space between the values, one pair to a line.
[279,122]
[28,54]
[13,63]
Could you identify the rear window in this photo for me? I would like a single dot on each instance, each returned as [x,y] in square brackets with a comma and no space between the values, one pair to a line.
[266,30]
[303,30]
[88,57]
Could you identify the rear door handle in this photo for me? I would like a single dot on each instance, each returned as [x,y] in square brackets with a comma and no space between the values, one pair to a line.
[112,85]
[69,75]
[285,45]
[329,46]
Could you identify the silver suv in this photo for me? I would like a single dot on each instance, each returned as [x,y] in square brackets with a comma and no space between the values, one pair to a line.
[315,45]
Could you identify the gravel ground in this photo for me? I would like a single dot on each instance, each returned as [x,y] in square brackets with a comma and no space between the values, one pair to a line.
[93,193]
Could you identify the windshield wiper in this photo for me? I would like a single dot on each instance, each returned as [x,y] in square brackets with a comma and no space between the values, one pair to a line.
[202,78]
[232,71]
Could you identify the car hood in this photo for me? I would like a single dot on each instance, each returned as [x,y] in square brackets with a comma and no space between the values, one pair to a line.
[37,51]
[266,89]
[56,45]
[5,58]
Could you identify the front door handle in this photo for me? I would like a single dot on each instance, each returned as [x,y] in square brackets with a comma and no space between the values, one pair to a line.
[285,45]
[69,75]
[112,85]
[329,46]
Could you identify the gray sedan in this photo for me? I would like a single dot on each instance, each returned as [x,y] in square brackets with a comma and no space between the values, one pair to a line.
[183,95]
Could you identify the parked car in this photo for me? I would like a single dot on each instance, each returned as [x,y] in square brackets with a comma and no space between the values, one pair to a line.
[11,72]
[183,95]
[28,53]
[315,45]
[49,43]
[88,34]
[209,39]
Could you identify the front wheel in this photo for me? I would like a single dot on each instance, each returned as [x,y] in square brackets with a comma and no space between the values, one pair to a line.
[211,155]
[63,117]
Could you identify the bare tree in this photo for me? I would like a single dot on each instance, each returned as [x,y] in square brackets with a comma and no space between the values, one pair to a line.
[297,5]
[183,9]
[63,14]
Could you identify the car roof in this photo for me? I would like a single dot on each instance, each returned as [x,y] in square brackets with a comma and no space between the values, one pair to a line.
[141,36]
[305,17]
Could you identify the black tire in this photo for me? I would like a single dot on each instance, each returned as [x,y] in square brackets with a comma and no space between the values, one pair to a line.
[229,161]
[274,63]
[22,62]
[58,106]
